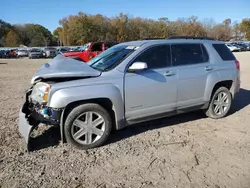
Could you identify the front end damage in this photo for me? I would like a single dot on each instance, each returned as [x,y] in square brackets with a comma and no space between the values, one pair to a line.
[32,114]
[35,109]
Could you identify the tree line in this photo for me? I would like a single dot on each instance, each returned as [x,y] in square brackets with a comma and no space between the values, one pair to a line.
[82,28]
[26,34]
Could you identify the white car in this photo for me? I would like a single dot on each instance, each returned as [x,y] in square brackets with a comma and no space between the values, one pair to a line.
[233,48]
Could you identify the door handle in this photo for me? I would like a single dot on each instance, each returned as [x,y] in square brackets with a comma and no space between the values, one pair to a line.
[208,68]
[169,73]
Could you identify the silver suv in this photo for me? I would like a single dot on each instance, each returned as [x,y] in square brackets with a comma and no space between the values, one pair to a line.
[129,83]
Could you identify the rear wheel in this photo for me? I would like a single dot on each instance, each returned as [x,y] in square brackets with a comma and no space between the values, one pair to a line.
[220,103]
[87,126]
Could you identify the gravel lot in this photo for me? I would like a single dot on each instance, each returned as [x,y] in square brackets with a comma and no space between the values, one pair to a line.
[183,151]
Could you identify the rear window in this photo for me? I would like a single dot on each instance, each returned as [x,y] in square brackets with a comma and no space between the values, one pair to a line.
[224,52]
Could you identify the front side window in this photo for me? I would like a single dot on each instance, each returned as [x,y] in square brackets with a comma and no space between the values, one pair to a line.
[156,57]
[186,54]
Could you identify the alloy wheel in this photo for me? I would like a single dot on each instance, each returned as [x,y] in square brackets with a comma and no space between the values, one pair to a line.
[88,128]
[221,103]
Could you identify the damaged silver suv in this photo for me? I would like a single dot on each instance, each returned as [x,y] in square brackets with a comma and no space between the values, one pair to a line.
[129,83]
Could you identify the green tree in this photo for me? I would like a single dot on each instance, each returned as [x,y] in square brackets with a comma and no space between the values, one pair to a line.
[57,32]
[12,39]
[245,28]
[4,29]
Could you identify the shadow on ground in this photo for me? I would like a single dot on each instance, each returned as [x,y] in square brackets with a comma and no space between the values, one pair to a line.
[3,63]
[51,137]
[241,100]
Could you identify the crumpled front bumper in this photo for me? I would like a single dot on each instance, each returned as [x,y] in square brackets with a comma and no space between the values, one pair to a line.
[25,129]
[30,117]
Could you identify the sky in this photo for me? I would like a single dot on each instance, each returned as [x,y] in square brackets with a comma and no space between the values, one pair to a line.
[49,12]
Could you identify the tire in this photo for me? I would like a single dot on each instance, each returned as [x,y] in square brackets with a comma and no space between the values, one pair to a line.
[76,123]
[219,112]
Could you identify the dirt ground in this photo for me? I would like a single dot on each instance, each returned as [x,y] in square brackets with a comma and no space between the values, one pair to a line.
[183,151]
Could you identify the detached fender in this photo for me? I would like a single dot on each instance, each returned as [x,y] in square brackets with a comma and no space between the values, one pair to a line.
[61,98]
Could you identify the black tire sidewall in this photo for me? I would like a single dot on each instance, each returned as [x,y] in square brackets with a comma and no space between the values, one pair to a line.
[76,112]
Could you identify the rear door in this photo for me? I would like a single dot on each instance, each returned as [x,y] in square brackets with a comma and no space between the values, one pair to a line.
[193,67]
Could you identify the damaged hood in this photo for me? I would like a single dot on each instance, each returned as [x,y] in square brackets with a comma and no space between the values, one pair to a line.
[63,67]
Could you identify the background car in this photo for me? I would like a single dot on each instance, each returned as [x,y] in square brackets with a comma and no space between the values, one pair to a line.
[13,53]
[241,48]
[49,52]
[62,50]
[35,53]
[6,54]
[1,53]
[90,50]
[22,53]
[233,48]
[245,46]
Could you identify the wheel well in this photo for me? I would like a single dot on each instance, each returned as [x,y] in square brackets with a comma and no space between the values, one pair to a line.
[227,83]
[104,102]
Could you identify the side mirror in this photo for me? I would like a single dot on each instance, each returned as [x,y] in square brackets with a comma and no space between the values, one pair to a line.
[138,66]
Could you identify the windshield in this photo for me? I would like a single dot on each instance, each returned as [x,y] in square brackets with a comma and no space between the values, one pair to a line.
[111,57]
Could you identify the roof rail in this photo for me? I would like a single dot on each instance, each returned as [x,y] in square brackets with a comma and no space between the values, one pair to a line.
[190,37]
[153,38]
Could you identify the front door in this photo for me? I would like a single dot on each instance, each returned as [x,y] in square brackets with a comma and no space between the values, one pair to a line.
[153,91]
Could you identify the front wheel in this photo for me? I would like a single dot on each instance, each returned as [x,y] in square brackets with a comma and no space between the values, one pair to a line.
[220,103]
[87,126]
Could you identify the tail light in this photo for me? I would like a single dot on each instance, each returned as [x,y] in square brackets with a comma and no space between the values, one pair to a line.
[237,64]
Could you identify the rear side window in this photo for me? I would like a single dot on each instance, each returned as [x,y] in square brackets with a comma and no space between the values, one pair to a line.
[186,54]
[224,52]
[156,57]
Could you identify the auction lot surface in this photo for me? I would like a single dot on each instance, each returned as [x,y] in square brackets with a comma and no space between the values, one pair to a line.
[183,151]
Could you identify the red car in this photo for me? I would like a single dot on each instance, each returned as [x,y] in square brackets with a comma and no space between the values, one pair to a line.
[90,50]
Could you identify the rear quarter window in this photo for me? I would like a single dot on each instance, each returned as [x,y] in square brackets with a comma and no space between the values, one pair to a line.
[224,52]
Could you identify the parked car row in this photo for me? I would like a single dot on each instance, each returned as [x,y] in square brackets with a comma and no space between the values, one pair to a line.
[238,46]
[88,51]
[8,53]
[83,53]
[47,52]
